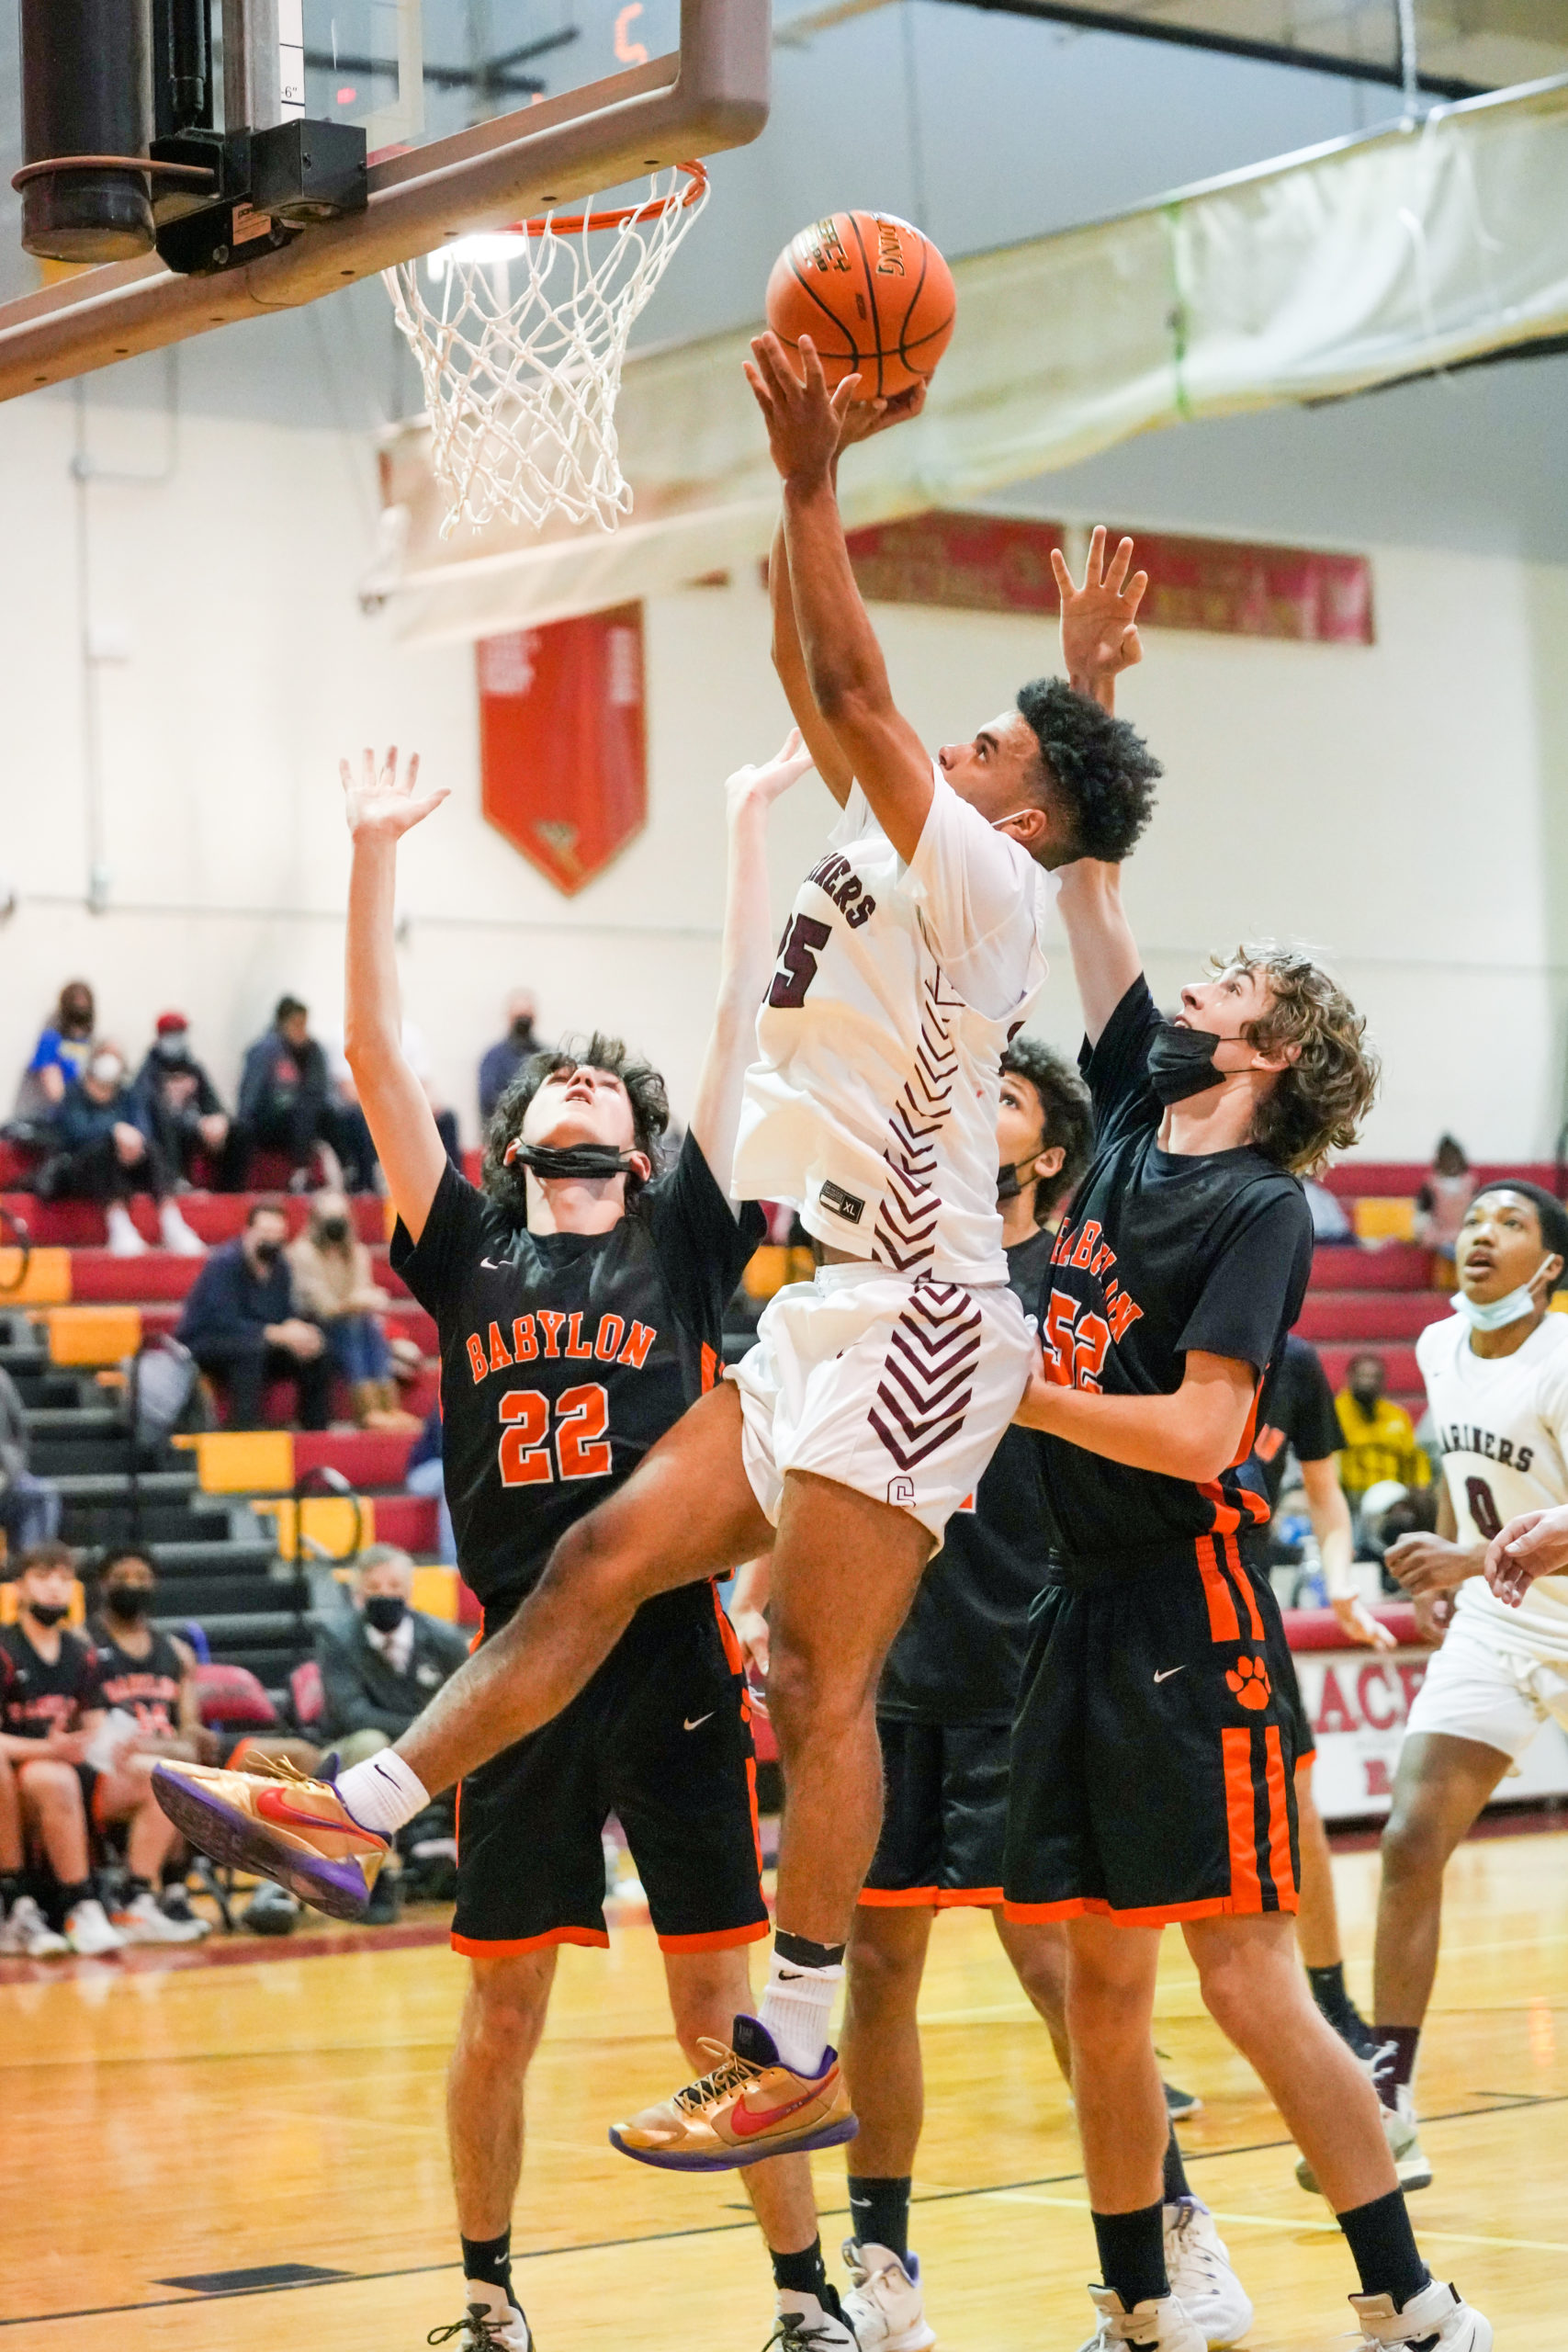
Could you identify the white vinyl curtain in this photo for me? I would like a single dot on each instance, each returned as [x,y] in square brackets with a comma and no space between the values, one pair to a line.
[1325,273]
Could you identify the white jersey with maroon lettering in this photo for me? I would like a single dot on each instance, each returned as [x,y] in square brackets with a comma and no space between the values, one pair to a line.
[1502,1424]
[871,1106]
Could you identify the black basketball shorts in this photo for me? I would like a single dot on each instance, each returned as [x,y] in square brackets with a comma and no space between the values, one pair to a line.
[944,1814]
[663,1737]
[1154,1752]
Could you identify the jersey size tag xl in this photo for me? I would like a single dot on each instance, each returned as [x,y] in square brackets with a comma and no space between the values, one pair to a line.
[845,1205]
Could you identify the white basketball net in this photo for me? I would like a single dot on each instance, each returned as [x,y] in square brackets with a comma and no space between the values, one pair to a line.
[521,389]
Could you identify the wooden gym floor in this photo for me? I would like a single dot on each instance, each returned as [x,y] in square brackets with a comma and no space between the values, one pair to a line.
[163,2126]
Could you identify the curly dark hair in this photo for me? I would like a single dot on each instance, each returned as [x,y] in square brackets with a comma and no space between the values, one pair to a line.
[1101,772]
[645,1092]
[1068,1119]
[1318,1102]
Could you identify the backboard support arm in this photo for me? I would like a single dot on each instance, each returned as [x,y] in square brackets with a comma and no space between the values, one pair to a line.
[710,95]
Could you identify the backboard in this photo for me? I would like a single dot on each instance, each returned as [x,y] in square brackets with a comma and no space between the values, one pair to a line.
[476,113]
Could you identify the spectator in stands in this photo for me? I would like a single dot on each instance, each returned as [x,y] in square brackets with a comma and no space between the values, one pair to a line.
[24,1933]
[335,1285]
[29,1507]
[287,1104]
[104,1153]
[426,1474]
[501,1061]
[1329,1222]
[1380,1436]
[380,1664]
[61,1054]
[149,1676]
[71,1770]
[181,1109]
[1441,1206]
[244,1326]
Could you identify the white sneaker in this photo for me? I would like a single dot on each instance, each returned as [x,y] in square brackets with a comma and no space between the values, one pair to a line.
[141,1922]
[1437,2320]
[806,2325]
[1399,2131]
[490,2324]
[175,1904]
[88,1930]
[1149,2327]
[124,1239]
[177,1235]
[28,1933]
[1198,2263]
[884,2309]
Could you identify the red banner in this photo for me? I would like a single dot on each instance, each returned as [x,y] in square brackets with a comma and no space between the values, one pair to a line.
[563,751]
[994,563]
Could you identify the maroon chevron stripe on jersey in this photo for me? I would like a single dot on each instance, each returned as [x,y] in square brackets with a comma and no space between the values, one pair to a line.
[927,1374]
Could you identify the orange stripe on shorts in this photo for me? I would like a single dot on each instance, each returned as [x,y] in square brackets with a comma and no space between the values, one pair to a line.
[1279,1864]
[1243,1583]
[1247,1892]
[1224,1623]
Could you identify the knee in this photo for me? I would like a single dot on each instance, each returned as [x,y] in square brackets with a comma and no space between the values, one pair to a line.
[503,2023]
[808,1691]
[881,1982]
[1411,1849]
[49,1787]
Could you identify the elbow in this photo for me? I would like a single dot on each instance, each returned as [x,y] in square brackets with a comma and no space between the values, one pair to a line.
[851,704]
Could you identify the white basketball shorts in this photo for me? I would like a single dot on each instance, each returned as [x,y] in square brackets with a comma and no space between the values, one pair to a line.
[899,1389]
[1477,1689]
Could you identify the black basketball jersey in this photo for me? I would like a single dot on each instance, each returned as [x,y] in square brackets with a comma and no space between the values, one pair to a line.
[959,1655]
[564,1356]
[147,1688]
[1160,1253]
[1295,1415]
[38,1695]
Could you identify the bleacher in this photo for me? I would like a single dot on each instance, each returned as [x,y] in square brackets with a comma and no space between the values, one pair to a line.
[220,1508]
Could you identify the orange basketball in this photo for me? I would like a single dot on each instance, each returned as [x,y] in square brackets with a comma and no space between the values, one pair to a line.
[873,294]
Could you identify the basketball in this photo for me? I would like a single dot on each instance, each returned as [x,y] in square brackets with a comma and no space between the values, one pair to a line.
[874,294]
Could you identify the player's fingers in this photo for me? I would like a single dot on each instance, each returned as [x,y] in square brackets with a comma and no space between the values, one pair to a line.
[413,769]
[390,768]
[1135,590]
[345,776]
[842,399]
[815,382]
[1131,650]
[776,371]
[1121,564]
[1094,569]
[1059,566]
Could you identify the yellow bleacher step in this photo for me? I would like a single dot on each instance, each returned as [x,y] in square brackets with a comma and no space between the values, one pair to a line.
[46,1283]
[92,1335]
[242,1461]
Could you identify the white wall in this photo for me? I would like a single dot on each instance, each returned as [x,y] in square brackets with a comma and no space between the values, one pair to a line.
[1394,806]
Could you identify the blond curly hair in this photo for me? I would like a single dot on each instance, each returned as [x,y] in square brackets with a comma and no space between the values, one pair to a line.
[1318,1102]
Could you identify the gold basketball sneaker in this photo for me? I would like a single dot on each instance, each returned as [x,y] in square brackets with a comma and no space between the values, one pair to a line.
[748,2109]
[278,1822]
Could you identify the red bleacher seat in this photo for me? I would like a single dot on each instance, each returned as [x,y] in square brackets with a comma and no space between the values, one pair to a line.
[1376,1316]
[1355,1180]
[1398,1265]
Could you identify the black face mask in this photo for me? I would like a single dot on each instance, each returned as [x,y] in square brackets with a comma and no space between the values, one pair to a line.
[580,1160]
[267,1254]
[386,1612]
[522,1034]
[49,1612]
[128,1600]
[334,1231]
[1181,1062]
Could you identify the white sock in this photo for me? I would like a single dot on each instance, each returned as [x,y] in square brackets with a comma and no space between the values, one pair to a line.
[382,1792]
[798,2009]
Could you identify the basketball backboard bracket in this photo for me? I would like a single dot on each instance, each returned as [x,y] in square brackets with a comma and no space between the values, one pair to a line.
[709,94]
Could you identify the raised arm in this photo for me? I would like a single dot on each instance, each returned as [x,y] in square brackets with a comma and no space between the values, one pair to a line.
[747,955]
[1105,954]
[844,669]
[380,807]
[827,756]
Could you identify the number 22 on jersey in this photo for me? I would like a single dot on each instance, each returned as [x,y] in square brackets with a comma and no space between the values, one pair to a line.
[581,1448]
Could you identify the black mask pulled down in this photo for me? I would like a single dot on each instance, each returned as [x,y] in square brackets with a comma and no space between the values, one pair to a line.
[50,1613]
[580,1160]
[1181,1062]
[128,1600]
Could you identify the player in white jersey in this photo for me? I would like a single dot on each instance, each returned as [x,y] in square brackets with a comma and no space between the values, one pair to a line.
[1496,1376]
[875,1395]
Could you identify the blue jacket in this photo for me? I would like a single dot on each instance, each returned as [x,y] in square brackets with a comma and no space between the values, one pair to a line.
[227,1309]
[80,1122]
[262,1086]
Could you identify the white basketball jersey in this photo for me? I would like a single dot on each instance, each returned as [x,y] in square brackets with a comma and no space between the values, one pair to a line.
[1502,1424]
[871,1106]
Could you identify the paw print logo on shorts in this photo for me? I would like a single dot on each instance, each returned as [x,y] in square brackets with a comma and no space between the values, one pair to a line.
[1248,1680]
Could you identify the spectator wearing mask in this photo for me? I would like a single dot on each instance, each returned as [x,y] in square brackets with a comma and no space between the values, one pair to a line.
[181,1109]
[243,1326]
[71,1773]
[379,1666]
[1441,1205]
[501,1061]
[287,1103]
[29,1507]
[150,1677]
[335,1285]
[426,1474]
[1380,1436]
[61,1055]
[104,1153]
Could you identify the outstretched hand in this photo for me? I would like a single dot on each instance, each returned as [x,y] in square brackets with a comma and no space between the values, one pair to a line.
[805,421]
[862,419]
[761,785]
[379,802]
[1099,620]
[1358,1624]
[1533,1545]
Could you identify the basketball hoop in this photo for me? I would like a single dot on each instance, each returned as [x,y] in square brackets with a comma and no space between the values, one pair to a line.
[521,389]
